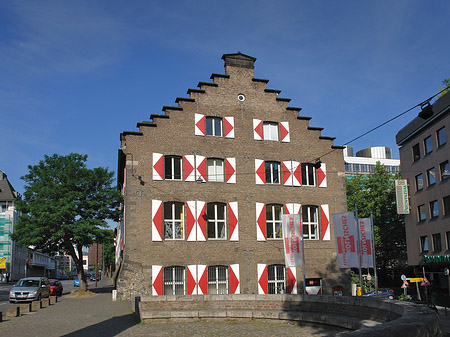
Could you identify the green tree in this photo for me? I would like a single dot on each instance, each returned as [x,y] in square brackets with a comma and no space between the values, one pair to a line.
[376,193]
[445,88]
[65,207]
[109,253]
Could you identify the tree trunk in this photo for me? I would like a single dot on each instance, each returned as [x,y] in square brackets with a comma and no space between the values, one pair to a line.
[78,259]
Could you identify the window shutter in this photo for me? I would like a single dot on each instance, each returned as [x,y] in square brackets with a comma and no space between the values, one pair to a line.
[191,228]
[201,220]
[200,168]
[228,125]
[297,174]
[230,170]
[287,173]
[235,287]
[158,166]
[189,168]
[292,280]
[284,132]
[325,222]
[202,273]
[261,222]
[233,221]
[258,129]
[157,220]
[157,280]
[322,175]
[191,275]
[262,278]
[200,128]
[260,174]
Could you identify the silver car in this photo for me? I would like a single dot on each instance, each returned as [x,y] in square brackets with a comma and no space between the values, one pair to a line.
[30,289]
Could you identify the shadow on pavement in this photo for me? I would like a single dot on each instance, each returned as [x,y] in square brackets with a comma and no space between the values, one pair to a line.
[101,289]
[110,327]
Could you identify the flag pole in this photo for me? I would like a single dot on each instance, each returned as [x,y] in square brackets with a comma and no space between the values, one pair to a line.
[359,248]
[373,255]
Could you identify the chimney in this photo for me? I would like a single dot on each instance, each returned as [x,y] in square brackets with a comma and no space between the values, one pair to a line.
[239,62]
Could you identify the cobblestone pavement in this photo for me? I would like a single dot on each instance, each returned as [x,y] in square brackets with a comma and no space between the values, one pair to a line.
[99,316]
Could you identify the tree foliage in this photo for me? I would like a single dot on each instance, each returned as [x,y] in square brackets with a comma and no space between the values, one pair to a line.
[65,206]
[109,252]
[445,88]
[376,193]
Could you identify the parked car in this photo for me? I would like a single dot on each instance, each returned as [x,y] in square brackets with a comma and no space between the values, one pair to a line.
[30,289]
[382,292]
[56,288]
[76,282]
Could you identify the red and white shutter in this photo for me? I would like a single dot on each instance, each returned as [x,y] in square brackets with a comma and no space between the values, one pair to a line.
[201,220]
[157,220]
[292,208]
[200,127]
[260,174]
[233,221]
[230,170]
[200,168]
[191,227]
[189,168]
[262,279]
[157,280]
[191,279]
[228,126]
[284,132]
[287,173]
[202,274]
[292,280]
[322,175]
[296,174]
[325,222]
[258,129]
[158,166]
[235,286]
[260,222]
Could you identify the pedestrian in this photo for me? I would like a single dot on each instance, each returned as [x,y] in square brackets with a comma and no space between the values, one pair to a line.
[1,277]
[7,277]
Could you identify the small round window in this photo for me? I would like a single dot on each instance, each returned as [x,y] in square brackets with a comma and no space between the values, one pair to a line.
[241,97]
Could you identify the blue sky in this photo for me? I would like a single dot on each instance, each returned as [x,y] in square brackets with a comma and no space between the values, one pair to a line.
[75,74]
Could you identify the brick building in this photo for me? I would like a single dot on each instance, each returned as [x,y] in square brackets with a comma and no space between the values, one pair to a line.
[206,183]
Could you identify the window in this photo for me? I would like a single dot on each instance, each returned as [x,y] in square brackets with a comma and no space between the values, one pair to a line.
[215,170]
[275,279]
[424,244]
[447,237]
[272,170]
[273,221]
[441,137]
[217,280]
[215,213]
[446,203]
[431,175]
[270,131]
[310,222]
[174,281]
[172,168]
[416,152]
[214,126]
[419,182]
[434,210]
[173,220]
[308,175]
[444,169]
[428,145]
[422,213]
[437,246]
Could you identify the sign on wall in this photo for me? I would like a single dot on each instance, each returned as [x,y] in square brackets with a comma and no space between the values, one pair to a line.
[402,196]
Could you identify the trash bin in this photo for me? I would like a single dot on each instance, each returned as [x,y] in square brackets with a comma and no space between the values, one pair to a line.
[338,291]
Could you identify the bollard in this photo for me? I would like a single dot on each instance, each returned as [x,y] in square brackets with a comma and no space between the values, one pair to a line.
[1,316]
[25,307]
[12,311]
[35,305]
[114,295]
[44,303]
[52,300]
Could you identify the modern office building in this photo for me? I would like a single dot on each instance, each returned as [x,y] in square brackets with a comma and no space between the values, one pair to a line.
[424,156]
[205,186]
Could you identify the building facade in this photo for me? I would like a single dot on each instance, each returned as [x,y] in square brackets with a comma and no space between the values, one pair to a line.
[205,186]
[424,156]
[365,160]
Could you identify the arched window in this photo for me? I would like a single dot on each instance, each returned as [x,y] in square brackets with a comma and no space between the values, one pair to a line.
[273,221]
[276,279]
[218,280]
[173,220]
[215,170]
[172,167]
[272,170]
[310,222]
[174,281]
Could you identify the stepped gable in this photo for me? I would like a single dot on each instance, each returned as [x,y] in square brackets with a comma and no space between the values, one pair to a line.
[232,62]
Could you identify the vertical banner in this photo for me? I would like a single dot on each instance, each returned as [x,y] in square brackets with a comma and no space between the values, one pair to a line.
[292,238]
[345,231]
[365,235]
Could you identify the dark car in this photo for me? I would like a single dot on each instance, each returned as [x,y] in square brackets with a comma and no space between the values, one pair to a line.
[382,292]
[30,289]
[56,288]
